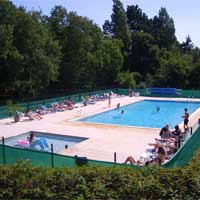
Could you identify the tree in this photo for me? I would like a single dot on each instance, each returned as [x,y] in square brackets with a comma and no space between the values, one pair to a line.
[144,54]
[187,46]
[118,26]
[194,76]
[173,72]
[163,29]
[195,55]
[111,60]
[32,57]
[79,52]
[126,79]
[57,23]
[107,28]
[137,20]
[9,59]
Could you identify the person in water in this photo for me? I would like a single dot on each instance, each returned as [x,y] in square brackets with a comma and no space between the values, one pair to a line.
[35,142]
[122,112]
[158,108]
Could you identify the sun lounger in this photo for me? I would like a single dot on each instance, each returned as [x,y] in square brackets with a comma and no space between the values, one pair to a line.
[44,143]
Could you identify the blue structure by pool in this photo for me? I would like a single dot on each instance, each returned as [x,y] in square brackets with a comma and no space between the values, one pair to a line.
[145,114]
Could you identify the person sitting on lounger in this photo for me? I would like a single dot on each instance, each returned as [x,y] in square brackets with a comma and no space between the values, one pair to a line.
[91,100]
[132,161]
[165,132]
[170,147]
[55,107]
[31,115]
[159,159]
[18,116]
[69,105]
[131,93]
[177,132]
[61,106]
[161,155]
[39,111]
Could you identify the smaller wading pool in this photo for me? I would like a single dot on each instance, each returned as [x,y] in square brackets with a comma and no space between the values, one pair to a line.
[43,141]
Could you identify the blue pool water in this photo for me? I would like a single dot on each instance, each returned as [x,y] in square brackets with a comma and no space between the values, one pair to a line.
[59,141]
[144,114]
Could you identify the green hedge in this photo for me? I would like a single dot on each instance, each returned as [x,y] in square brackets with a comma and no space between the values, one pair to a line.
[24,181]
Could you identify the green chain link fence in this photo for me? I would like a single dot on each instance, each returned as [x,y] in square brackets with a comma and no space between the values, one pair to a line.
[4,111]
[10,155]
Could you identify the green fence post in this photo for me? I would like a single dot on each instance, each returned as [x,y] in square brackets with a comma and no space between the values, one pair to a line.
[3,151]
[52,158]
[115,157]
[191,130]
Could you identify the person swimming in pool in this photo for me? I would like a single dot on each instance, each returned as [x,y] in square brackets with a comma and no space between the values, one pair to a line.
[158,108]
[122,112]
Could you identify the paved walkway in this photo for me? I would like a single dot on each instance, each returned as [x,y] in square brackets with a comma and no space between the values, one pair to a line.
[103,140]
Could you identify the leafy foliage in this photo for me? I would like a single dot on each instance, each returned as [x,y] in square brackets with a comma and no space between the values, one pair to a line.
[163,29]
[137,20]
[173,72]
[68,51]
[30,56]
[118,27]
[126,79]
[24,181]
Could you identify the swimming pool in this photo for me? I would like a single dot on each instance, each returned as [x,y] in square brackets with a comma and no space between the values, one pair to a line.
[60,142]
[144,114]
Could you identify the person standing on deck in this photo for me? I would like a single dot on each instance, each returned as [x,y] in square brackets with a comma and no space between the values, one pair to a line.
[109,99]
[186,119]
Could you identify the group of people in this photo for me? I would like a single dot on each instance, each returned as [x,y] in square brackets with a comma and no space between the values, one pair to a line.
[41,110]
[60,106]
[166,145]
[94,98]
[131,93]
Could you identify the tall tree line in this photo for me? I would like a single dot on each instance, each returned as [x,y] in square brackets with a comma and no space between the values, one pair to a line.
[68,51]
[154,56]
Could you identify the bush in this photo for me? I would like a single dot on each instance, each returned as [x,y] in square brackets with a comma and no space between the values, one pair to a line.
[12,108]
[24,181]
[126,79]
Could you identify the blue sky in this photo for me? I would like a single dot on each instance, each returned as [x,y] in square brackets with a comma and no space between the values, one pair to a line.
[186,14]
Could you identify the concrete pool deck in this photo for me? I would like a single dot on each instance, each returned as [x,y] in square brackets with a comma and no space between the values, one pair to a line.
[103,140]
